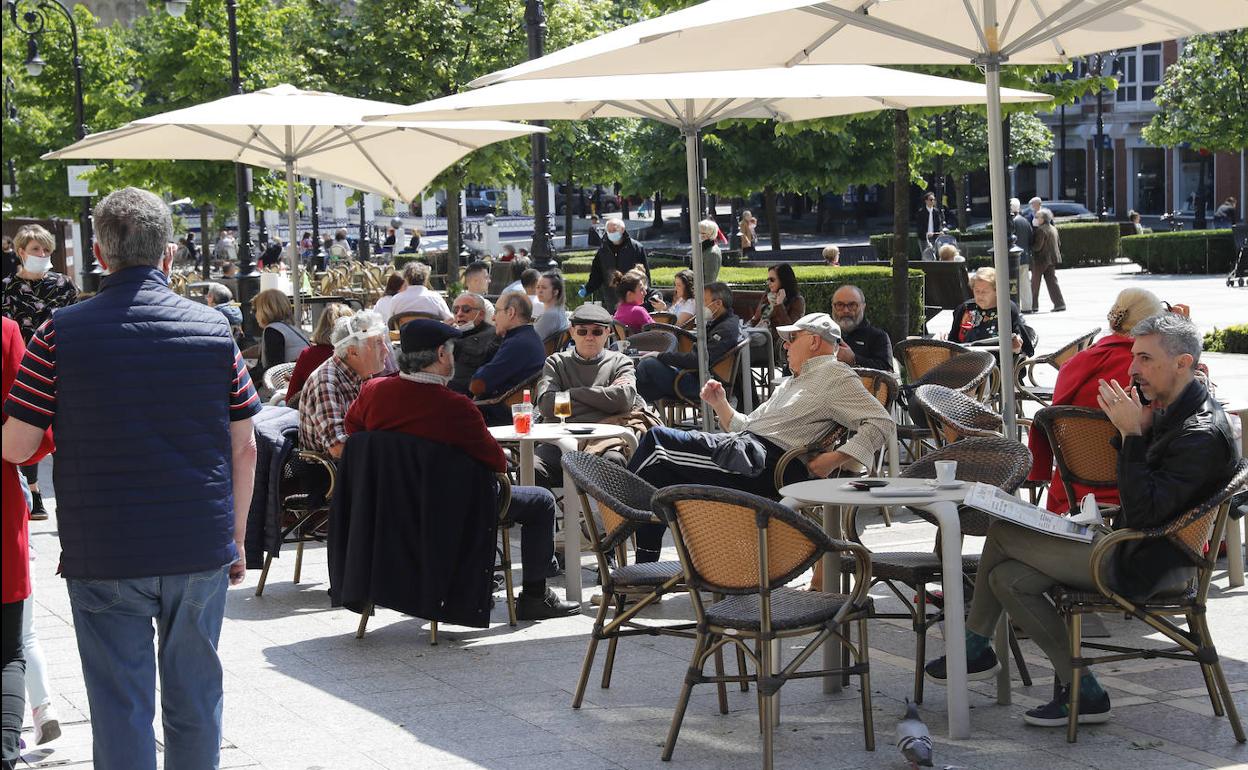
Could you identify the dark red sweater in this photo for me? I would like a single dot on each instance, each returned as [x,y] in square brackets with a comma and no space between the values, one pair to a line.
[311,357]
[429,411]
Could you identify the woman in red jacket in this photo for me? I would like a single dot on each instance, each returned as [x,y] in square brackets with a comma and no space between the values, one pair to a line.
[1109,359]
[15,571]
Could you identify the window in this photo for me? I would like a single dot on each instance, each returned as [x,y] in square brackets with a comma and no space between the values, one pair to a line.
[1139,73]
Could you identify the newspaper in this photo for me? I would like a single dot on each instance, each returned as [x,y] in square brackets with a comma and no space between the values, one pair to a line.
[1002,505]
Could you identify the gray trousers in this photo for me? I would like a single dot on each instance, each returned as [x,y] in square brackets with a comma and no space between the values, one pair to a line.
[1017,568]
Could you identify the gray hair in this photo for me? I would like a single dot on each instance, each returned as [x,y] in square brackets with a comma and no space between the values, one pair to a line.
[1047,213]
[720,291]
[1178,334]
[419,360]
[220,293]
[416,273]
[350,331]
[1034,200]
[1015,205]
[477,299]
[519,301]
[132,227]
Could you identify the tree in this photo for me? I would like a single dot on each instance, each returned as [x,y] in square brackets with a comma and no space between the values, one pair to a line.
[583,152]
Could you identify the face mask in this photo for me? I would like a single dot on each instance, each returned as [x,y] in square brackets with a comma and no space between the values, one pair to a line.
[38,265]
[615,236]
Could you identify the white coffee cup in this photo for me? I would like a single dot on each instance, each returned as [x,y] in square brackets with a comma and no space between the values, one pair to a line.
[946,471]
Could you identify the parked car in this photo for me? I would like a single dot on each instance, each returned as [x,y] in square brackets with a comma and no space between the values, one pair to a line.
[582,200]
[1063,211]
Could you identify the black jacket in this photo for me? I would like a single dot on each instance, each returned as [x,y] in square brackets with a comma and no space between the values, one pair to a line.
[1023,232]
[610,258]
[722,335]
[1187,455]
[872,347]
[472,351]
[983,325]
[277,432]
[413,527]
[920,224]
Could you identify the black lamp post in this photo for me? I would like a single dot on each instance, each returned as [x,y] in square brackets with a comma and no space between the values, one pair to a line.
[541,251]
[10,113]
[248,276]
[32,22]
[1096,65]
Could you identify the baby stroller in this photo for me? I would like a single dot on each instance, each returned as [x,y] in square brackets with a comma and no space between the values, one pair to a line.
[935,241]
[1239,273]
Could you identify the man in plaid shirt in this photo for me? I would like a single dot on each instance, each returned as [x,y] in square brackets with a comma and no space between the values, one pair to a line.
[359,353]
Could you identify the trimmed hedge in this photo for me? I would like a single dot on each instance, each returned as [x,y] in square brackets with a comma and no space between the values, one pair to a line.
[1083,244]
[585,259]
[1186,251]
[1232,339]
[818,283]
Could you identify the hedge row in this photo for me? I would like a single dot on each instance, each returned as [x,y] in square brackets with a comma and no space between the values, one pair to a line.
[818,284]
[1083,244]
[1186,251]
[1232,339]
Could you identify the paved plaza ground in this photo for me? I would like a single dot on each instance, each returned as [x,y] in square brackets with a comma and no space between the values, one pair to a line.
[302,693]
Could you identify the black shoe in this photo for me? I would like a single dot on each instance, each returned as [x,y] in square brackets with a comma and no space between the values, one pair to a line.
[1059,309]
[37,511]
[1092,711]
[983,666]
[532,607]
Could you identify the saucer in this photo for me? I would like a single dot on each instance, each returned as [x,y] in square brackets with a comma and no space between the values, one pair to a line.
[580,431]
[951,485]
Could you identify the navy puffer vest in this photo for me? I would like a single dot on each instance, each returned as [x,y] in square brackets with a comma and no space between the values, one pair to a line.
[143,463]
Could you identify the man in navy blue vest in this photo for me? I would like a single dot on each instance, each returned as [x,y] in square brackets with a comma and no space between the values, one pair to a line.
[151,406]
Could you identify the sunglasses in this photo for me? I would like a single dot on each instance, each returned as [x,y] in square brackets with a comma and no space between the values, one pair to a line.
[845,305]
[465,309]
[597,331]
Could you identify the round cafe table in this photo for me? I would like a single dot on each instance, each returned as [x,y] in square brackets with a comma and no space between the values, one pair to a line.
[554,433]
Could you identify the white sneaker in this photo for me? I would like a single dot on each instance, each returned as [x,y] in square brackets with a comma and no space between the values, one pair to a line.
[47,724]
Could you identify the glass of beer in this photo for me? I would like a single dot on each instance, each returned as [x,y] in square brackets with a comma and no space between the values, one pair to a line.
[563,406]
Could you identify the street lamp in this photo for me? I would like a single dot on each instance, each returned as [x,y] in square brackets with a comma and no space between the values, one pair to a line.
[541,251]
[32,22]
[248,276]
[11,116]
[1096,65]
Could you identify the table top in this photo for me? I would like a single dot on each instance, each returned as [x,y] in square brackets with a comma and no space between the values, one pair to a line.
[553,431]
[833,492]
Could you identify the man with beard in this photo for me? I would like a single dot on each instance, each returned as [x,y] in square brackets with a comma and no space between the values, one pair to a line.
[862,344]
[477,342]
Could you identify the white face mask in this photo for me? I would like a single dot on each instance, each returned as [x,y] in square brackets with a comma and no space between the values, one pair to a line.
[465,326]
[37,265]
[615,236]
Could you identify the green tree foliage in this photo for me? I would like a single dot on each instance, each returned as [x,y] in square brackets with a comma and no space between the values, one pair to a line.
[1203,98]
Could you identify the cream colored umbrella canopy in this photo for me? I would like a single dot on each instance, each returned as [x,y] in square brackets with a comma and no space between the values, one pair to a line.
[693,100]
[311,133]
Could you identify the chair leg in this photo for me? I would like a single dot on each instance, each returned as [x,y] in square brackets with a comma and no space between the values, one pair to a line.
[1017,652]
[508,580]
[609,663]
[1076,651]
[868,721]
[594,636]
[433,633]
[298,560]
[264,574]
[691,676]
[368,610]
[1228,702]
[920,641]
[769,705]
[721,687]
[745,686]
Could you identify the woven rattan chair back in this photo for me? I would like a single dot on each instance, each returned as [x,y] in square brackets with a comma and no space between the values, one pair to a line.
[881,384]
[717,533]
[276,377]
[726,368]
[968,372]
[998,461]
[623,498]
[1193,531]
[955,415]
[557,342]
[653,341]
[1066,352]
[917,356]
[1080,440]
[685,339]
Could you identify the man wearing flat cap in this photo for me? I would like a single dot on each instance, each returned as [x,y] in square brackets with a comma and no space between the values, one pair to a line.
[821,392]
[419,403]
[601,383]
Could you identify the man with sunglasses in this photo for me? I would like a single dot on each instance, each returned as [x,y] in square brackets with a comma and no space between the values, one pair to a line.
[862,344]
[477,342]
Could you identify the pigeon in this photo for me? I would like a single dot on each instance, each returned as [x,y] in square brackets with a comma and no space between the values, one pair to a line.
[913,738]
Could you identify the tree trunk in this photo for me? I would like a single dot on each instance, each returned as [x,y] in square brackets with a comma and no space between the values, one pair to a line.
[203,241]
[821,214]
[567,213]
[959,193]
[453,243]
[656,219]
[773,220]
[901,224]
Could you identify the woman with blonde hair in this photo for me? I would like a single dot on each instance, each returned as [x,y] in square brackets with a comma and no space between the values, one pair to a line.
[318,352]
[976,319]
[1077,385]
[712,257]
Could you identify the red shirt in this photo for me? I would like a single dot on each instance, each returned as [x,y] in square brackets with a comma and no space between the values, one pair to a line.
[427,410]
[16,546]
[1077,385]
[311,357]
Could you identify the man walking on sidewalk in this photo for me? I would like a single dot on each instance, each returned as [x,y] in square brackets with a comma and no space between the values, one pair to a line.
[151,406]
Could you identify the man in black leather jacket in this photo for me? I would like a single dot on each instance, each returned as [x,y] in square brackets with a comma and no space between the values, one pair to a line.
[619,252]
[1175,450]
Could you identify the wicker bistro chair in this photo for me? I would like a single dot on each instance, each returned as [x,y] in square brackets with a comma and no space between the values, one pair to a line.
[277,376]
[685,339]
[306,490]
[1080,440]
[998,461]
[748,548]
[513,396]
[557,342]
[726,369]
[1028,389]
[1197,533]
[663,317]
[969,371]
[623,505]
[653,340]
[918,356]
[883,385]
[953,415]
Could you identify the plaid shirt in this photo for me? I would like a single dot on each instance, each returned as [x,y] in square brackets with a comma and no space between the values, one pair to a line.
[323,404]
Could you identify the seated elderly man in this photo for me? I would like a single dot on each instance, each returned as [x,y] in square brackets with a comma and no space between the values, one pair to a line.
[656,374]
[418,297]
[519,357]
[218,295]
[477,343]
[360,351]
[417,402]
[601,384]
[1174,451]
[821,393]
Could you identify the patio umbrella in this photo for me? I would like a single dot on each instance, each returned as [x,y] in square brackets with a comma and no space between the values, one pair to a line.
[691,101]
[301,132]
[725,34]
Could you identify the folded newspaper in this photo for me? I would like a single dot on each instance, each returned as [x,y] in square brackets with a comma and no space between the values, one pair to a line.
[1002,505]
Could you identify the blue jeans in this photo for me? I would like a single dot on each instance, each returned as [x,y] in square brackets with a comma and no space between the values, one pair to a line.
[656,380]
[113,622]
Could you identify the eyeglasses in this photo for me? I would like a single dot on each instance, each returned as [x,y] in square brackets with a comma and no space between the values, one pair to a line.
[465,309]
[597,331]
[845,306]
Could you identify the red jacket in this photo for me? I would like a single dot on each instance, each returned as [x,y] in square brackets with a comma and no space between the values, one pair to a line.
[16,545]
[311,357]
[1109,359]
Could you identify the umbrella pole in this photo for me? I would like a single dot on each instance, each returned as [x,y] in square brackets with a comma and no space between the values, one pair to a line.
[1000,244]
[296,282]
[691,171]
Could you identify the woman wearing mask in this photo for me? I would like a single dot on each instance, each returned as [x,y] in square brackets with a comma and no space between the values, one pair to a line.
[29,297]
